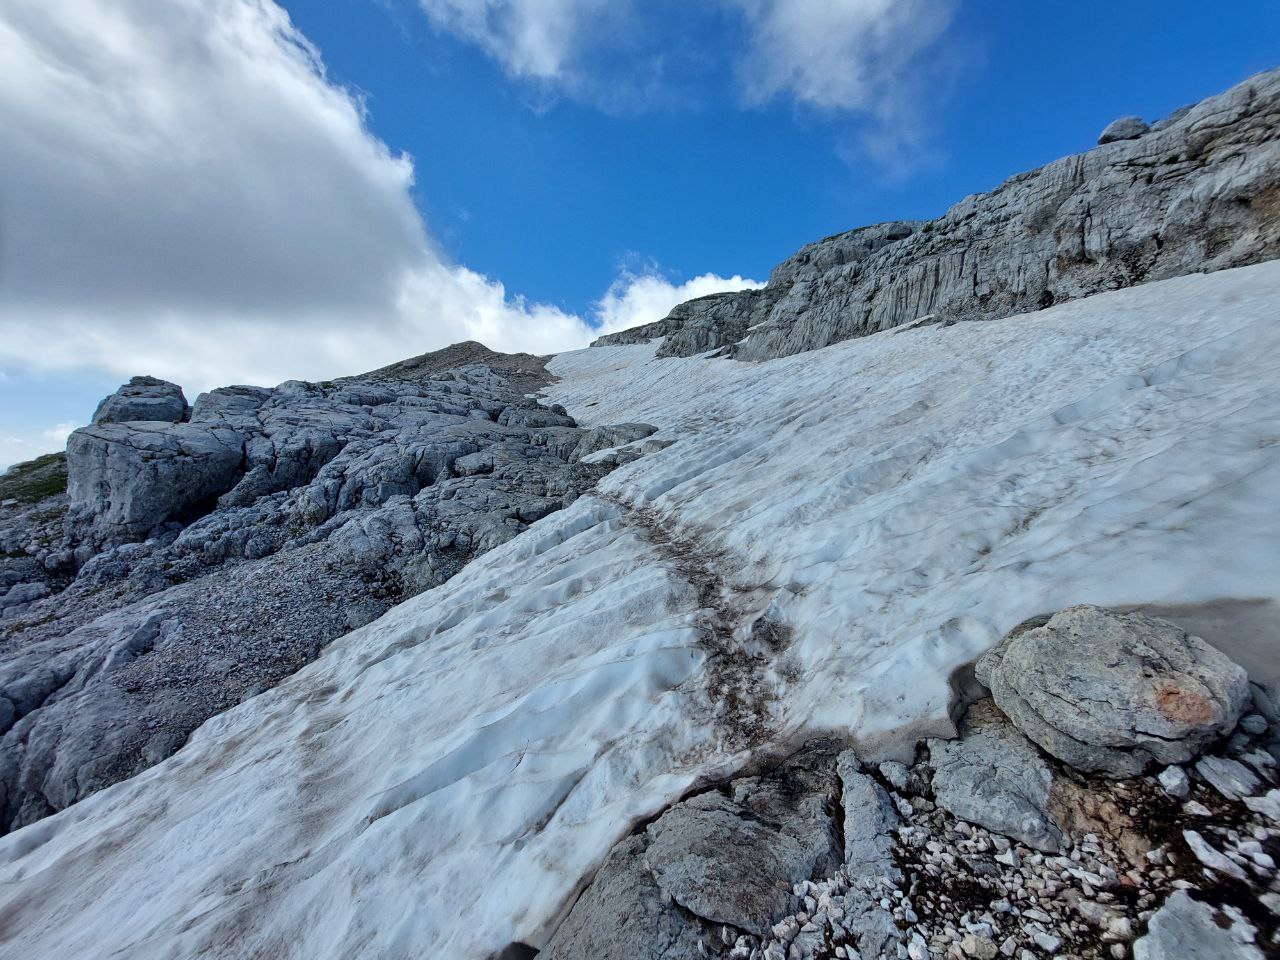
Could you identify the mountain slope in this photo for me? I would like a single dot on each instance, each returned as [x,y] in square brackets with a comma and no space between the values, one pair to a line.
[1197,192]
[828,539]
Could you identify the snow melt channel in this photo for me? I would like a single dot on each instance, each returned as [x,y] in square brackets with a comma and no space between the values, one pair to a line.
[830,536]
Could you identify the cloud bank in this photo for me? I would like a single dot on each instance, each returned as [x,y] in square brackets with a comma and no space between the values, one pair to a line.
[183,192]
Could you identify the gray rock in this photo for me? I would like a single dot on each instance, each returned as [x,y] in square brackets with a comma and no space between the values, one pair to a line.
[603,438]
[1175,782]
[1254,724]
[722,864]
[1210,856]
[994,777]
[720,857]
[1112,693]
[622,916]
[1124,128]
[1268,804]
[1195,194]
[143,399]
[1231,778]
[869,819]
[1186,929]
[128,478]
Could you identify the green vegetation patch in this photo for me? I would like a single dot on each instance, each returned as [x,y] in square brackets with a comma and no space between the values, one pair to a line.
[35,480]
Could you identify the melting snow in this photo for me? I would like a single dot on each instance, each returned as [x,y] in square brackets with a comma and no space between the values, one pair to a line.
[831,535]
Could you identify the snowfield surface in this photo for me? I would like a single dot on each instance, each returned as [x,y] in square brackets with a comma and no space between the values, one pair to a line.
[830,536]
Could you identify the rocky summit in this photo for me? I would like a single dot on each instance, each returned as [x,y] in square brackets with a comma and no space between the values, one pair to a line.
[946,628]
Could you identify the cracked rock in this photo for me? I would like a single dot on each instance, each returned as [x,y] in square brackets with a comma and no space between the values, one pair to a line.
[1112,693]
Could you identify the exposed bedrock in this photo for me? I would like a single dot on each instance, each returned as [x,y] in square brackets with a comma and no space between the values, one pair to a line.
[1196,192]
[203,561]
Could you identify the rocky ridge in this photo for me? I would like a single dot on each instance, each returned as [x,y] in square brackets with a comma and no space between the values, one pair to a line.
[1196,192]
[201,555]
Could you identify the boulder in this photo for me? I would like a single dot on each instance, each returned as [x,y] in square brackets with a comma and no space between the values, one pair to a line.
[723,864]
[1124,128]
[1186,929]
[143,399]
[130,477]
[723,857]
[994,777]
[1113,693]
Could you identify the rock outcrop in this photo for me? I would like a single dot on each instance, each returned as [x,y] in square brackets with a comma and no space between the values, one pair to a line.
[1114,693]
[144,399]
[193,564]
[1196,192]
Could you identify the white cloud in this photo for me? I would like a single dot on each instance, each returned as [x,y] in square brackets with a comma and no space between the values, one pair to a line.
[862,56]
[836,54]
[535,39]
[635,299]
[186,194]
[58,433]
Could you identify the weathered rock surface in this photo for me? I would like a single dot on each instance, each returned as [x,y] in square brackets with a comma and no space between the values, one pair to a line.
[1124,128]
[1113,693]
[994,777]
[1198,192]
[719,859]
[1186,929]
[869,819]
[193,564]
[142,399]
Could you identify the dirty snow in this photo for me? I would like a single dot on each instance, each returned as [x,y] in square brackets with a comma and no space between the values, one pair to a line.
[831,535]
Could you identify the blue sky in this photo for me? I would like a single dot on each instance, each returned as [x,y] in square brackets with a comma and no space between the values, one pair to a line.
[231,191]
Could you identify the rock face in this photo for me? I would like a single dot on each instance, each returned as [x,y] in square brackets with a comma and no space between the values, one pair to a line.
[202,561]
[994,777]
[1113,693]
[1186,929]
[143,399]
[1199,192]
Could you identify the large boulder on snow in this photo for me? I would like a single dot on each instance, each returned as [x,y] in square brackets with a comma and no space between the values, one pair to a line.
[142,399]
[1113,693]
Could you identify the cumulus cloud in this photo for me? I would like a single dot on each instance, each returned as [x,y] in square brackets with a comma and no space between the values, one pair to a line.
[836,54]
[862,56]
[183,192]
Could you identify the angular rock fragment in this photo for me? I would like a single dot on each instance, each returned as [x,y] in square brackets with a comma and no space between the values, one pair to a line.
[1186,929]
[994,777]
